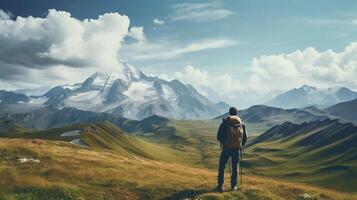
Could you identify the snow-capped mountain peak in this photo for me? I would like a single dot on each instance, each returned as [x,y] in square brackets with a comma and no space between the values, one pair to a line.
[131,73]
[130,93]
[308,88]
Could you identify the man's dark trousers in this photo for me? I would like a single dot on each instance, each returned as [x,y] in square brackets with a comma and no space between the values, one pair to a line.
[225,154]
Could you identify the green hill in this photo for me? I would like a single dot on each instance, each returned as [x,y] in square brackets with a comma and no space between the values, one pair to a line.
[320,152]
[103,136]
[45,169]
[9,126]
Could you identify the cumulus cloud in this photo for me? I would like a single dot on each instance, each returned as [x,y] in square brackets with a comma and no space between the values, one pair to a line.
[216,87]
[5,15]
[137,32]
[323,69]
[32,45]
[269,74]
[207,11]
[158,21]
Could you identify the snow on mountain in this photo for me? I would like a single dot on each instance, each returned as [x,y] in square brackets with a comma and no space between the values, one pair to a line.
[132,94]
[311,96]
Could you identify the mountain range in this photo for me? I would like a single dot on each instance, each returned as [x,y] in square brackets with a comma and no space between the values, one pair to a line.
[130,94]
[311,96]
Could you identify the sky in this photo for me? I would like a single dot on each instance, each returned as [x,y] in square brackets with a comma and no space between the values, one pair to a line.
[241,52]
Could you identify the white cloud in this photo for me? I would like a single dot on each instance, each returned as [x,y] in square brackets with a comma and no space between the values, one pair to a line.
[322,69]
[60,43]
[159,21]
[272,73]
[354,21]
[165,49]
[137,32]
[207,11]
[5,15]
[216,87]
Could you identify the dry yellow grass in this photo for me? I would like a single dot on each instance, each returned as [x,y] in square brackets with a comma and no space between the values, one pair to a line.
[69,172]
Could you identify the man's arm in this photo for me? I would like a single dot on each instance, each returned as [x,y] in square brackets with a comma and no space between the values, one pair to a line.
[220,133]
[245,135]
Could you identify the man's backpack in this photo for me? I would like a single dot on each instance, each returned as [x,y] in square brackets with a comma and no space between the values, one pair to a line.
[233,133]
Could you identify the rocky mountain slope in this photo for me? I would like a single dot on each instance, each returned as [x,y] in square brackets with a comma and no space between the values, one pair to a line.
[131,94]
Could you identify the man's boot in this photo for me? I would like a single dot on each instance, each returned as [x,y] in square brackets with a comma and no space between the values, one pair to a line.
[219,189]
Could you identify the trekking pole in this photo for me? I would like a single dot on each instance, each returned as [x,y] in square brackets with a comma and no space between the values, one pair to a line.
[241,167]
[229,164]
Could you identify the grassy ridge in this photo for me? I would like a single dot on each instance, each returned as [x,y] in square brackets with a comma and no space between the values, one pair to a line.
[329,162]
[193,144]
[66,171]
[281,158]
[106,136]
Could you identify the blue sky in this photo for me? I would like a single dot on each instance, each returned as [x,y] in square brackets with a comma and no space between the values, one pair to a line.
[222,38]
[259,27]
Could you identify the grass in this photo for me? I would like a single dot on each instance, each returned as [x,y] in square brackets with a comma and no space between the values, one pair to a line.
[289,161]
[279,158]
[66,171]
[175,160]
[106,136]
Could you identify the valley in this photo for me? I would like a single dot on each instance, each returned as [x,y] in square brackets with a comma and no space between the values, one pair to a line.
[39,169]
[63,145]
[280,156]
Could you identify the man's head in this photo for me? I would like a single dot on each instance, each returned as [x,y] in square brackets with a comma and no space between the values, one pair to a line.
[233,111]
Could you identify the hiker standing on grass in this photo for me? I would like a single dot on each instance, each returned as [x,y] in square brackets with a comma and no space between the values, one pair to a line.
[232,136]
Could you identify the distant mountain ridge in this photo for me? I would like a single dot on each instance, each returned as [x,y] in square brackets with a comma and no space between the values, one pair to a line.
[261,117]
[9,97]
[311,96]
[130,94]
[345,110]
[260,113]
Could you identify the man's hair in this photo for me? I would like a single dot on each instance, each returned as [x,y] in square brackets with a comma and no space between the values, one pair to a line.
[233,111]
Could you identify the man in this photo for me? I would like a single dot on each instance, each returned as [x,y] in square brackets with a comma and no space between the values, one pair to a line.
[232,135]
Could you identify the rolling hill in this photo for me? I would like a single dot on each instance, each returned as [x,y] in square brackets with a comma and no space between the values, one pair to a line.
[102,136]
[9,126]
[318,152]
[45,169]
[287,152]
